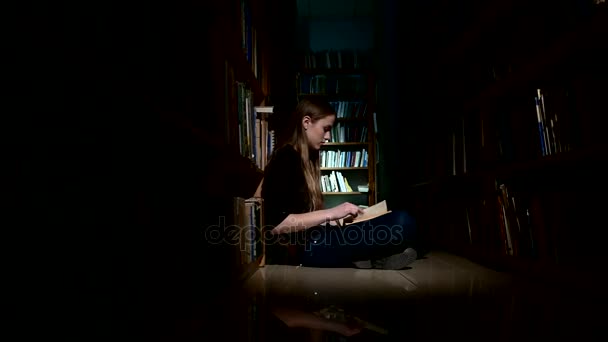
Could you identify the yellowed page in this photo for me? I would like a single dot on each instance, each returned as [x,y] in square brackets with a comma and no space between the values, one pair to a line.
[374,211]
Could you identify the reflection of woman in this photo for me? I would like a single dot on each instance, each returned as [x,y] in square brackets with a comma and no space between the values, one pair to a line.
[294,318]
[295,213]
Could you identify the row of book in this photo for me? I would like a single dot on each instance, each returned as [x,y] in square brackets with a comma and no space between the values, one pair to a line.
[516,234]
[549,127]
[337,158]
[246,120]
[256,140]
[556,132]
[349,109]
[349,132]
[249,38]
[336,59]
[335,182]
[248,221]
[351,85]
[514,222]
[264,138]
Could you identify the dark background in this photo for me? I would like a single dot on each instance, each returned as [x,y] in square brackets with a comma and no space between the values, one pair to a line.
[114,157]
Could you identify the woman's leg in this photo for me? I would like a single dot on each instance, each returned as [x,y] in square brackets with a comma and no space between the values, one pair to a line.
[374,239]
[386,235]
[326,247]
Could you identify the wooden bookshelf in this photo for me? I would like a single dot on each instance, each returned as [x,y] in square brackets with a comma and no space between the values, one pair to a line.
[348,143]
[336,71]
[516,159]
[351,120]
[353,131]
[336,96]
[242,49]
[584,37]
[486,19]
[596,155]
[243,68]
[342,168]
[343,193]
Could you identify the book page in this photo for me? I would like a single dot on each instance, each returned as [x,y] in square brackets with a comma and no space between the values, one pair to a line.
[374,211]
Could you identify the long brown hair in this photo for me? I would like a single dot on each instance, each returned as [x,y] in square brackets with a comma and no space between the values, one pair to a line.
[316,108]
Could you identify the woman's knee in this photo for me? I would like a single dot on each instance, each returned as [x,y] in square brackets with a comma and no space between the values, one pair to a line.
[404,224]
[403,218]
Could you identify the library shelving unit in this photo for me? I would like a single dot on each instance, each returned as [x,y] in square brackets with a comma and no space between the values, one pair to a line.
[348,159]
[521,156]
[242,55]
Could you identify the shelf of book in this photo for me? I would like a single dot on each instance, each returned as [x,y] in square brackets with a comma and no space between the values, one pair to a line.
[564,160]
[337,71]
[244,48]
[349,143]
[246,235]
[342,193]
[583,38]
[346,160]
[514,167]
[342,168]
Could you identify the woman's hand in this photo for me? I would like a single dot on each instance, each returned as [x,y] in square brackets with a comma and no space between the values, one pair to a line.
[344,210]
[298,222]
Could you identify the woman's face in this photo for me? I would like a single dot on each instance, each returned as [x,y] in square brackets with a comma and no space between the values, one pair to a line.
[319,131]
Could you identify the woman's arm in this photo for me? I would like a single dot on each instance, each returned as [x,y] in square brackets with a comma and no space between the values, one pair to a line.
[297,222]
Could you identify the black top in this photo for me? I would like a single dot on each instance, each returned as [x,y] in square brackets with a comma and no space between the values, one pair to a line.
[285,192]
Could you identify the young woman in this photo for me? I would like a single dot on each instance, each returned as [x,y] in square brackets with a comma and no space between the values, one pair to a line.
[300,231]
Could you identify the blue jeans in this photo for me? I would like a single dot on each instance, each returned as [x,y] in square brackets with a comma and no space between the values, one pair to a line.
[331,246]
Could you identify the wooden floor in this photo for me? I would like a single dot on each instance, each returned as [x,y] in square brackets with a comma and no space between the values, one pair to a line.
[439,297]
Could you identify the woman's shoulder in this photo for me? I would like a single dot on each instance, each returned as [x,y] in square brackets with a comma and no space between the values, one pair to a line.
[285,152]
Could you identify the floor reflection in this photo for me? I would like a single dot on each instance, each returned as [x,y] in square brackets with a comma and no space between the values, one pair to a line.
[440,297]
[327,324]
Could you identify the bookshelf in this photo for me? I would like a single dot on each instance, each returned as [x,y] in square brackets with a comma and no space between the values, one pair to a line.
[348,160]
[243,55]
[522,146]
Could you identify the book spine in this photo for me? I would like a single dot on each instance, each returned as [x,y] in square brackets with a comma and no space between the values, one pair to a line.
[541,131]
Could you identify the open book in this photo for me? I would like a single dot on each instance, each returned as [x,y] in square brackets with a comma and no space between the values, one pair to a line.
[369,213]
